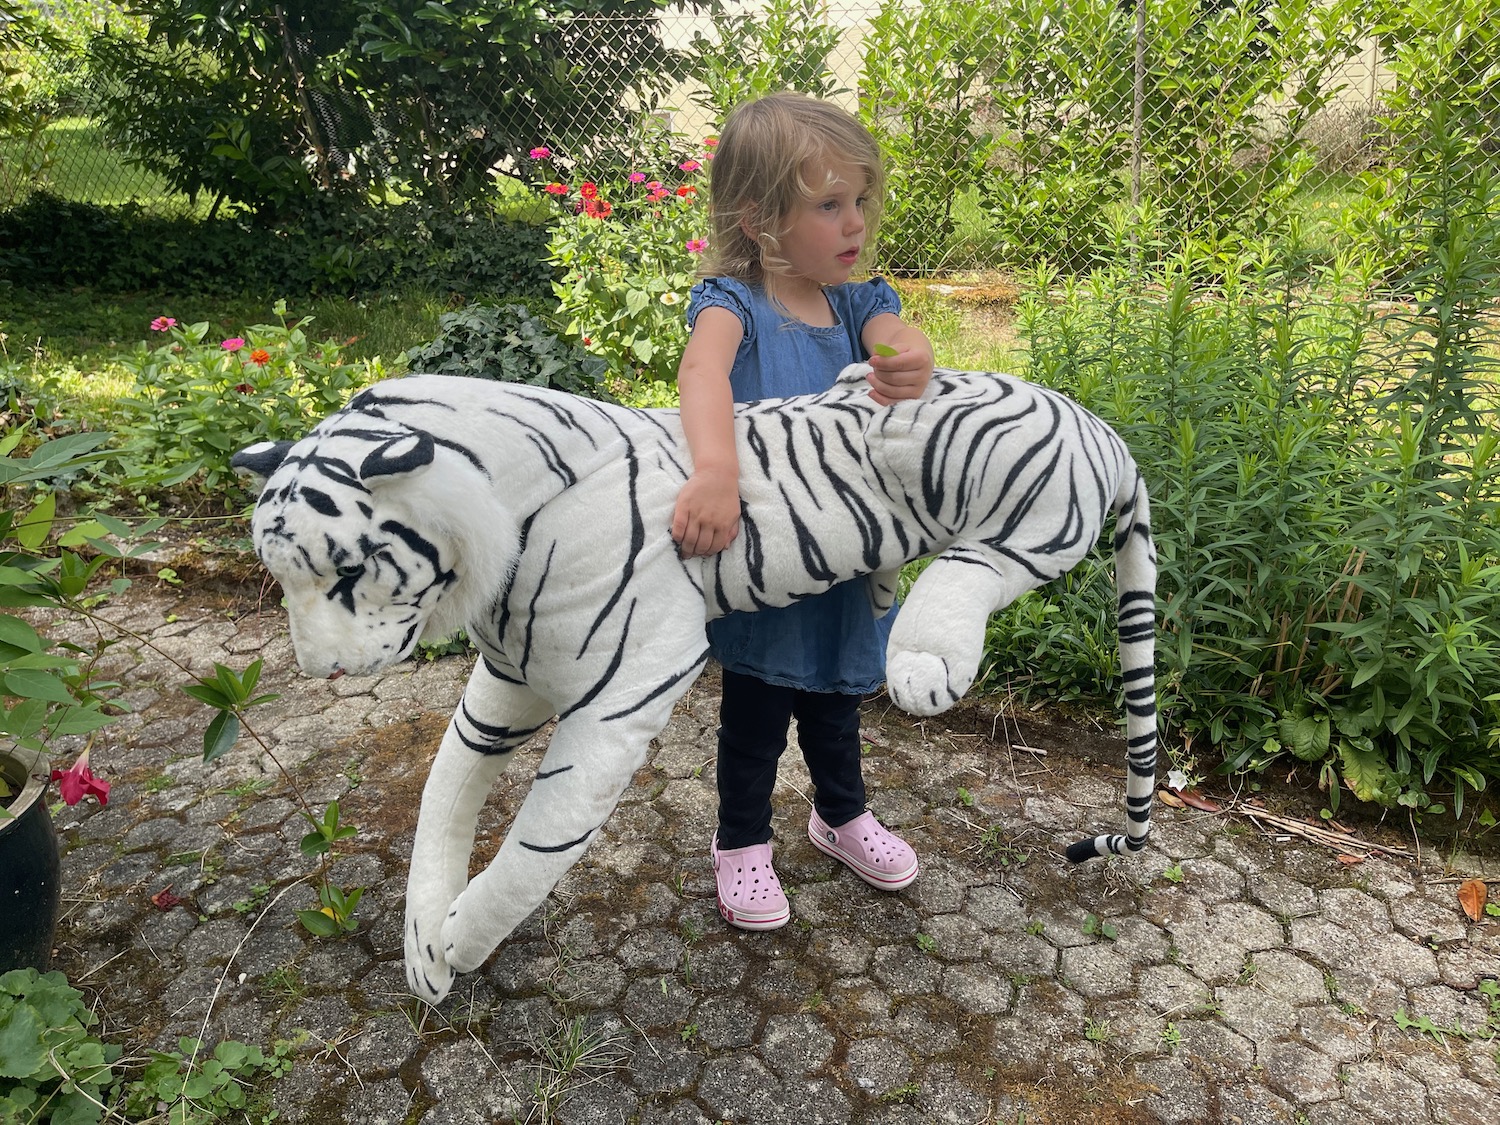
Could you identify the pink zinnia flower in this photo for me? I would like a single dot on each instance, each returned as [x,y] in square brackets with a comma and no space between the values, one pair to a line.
[162,323]
[656,190]
[690,165]
[637,177]
[710,142]
[696,246]
[79,781]
[233,344]
[556,189]
[541,152]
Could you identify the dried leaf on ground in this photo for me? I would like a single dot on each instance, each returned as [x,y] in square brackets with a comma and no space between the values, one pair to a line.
[1472,895]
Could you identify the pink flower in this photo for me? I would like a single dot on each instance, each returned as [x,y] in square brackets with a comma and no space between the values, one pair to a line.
[79,781]
[556,189]
[656,191]
[233,344]
[541,152]
[162,323]
[690,165]
[696,246]
[710,142]
[637,177]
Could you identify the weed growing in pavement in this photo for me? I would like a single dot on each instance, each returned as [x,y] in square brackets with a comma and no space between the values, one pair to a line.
[926,943]
[1173,874]
[996,847]
[1094,926]
[1171,1037]
[1097,1031]
[571,1054]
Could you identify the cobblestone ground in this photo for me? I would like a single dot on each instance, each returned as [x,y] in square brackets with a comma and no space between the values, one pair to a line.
[1226,975]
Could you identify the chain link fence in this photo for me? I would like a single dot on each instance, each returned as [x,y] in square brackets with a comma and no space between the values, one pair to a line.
[1014,131]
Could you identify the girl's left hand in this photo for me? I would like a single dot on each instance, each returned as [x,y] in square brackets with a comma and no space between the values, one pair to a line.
[900,376]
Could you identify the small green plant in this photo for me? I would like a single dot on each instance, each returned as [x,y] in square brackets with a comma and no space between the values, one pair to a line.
[1097,1031]
[1171,1037]
[197,1087]
[510,344]
[926,943]
[1173,874]
[53,1066]
[688,1033]
[1094,926]
[905,1094]
[965,798]
[1036,927]
[996,847]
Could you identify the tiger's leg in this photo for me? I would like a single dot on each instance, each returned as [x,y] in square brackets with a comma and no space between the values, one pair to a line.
[594,752]
[938,638]
[495,715]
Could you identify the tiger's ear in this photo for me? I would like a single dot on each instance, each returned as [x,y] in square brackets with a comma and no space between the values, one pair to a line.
[260,460]
[399,456]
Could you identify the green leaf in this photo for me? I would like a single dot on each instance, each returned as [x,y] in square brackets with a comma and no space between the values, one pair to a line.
[317,923]
[14,631]
[34,527]
[31,683]
[23,1053]
[222,733]
[1366,772]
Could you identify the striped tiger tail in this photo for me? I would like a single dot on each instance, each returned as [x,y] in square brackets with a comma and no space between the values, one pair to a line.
[1135,580]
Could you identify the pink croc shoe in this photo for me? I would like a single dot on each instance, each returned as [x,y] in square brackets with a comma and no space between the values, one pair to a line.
[879,857]
[750,895]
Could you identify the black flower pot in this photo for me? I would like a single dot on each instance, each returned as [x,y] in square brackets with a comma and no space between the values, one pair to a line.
[30,891]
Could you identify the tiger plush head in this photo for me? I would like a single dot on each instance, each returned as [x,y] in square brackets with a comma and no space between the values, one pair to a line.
[379,536]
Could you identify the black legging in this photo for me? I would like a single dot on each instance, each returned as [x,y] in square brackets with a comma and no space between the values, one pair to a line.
[753,721]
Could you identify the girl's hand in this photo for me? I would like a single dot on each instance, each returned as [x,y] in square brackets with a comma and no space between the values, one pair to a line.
[899,376]
[707,516]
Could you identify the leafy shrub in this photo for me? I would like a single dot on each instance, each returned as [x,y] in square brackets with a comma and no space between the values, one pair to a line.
[197,401]
[49,243]
[782,46]
[1326,493]
[625,245]
[54,1068]
[508,343]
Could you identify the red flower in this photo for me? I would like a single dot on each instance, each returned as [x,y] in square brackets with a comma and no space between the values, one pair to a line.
[597,208]
[589,190]
[79,781]
[260,357]
[556,189]
[687,190]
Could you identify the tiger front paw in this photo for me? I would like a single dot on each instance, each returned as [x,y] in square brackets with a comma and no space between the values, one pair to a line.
[922,683]
[429,976]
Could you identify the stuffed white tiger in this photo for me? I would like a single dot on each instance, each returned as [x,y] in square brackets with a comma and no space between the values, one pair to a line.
[540,523]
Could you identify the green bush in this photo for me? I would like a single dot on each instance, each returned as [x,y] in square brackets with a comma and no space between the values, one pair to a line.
[1326,496]
[197,401]
[49,243]
[509,344]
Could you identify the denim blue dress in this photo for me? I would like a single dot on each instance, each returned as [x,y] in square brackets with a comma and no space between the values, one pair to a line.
[830,642]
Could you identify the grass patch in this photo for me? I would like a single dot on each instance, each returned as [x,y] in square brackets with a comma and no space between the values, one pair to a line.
[87,168]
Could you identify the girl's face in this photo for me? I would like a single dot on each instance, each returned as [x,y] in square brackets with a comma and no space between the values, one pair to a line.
[825,234]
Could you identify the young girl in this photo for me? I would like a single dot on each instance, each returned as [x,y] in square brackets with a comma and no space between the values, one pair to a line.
[795,191]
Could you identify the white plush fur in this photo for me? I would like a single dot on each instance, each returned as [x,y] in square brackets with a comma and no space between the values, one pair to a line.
[540,523]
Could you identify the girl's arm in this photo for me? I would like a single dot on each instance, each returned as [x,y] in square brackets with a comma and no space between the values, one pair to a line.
[905,374]
[707,517]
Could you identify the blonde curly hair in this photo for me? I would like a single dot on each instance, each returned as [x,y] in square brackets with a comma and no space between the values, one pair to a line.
[759,175]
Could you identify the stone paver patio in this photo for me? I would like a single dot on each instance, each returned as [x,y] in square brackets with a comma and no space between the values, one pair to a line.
[1226,975]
